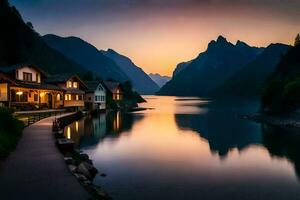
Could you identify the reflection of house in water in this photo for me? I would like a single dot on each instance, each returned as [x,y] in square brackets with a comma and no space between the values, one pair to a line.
[283,143]
[222,129]
[74,131]
[91,129]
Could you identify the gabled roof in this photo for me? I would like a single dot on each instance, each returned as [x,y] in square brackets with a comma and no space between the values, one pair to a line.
[93,85]
[12,68]
[112,86]
[62,78]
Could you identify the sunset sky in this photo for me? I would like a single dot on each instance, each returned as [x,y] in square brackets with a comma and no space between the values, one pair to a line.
[158,34]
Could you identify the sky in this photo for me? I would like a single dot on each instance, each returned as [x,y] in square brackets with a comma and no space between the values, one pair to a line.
[159,34]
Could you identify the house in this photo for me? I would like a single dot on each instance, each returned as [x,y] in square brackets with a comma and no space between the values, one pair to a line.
[22,87]
[74,89]
[95,97]
[114,90]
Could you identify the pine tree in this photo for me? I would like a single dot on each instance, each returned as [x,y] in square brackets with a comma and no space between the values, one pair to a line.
[297,40]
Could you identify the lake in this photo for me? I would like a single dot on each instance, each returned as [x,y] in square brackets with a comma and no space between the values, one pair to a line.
[190,148]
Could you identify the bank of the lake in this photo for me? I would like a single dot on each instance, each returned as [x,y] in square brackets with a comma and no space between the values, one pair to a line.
[36,169]
[190,148]
[291,120]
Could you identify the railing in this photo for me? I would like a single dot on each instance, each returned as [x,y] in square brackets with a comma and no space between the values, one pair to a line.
[31,117]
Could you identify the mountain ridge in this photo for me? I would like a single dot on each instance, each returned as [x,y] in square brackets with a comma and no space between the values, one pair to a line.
[210,68]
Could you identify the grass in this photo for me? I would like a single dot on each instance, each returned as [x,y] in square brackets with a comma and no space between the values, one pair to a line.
[10,132]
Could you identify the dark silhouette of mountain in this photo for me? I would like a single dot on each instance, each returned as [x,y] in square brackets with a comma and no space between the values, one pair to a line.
[159,79]
[180,67]
[86,55]
[251,79]
[282,93]
[19,43]
[211,68]
[139,79]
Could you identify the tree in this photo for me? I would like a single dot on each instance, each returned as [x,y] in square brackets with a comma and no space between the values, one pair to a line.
[297,40]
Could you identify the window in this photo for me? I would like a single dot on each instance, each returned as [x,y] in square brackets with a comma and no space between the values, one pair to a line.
[69,84]
[58,97]
[37,78]
[35,97]
[68,97]
[27,76]
[80,97]
[96,98]
[75,85]
[77,97]
[17,74]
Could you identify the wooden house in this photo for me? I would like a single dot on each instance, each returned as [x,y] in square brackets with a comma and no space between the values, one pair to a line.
[73,87]
[114,90]
[22,87]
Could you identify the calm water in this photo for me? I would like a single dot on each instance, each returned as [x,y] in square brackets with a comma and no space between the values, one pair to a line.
[188,148]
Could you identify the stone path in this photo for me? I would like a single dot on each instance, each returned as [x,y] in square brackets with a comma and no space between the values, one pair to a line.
[36,169]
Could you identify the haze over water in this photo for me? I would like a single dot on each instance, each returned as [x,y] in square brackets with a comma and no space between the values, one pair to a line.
[187,148]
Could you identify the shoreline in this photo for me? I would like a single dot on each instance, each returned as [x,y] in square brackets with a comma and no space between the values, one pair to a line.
[79,164]
[281,121]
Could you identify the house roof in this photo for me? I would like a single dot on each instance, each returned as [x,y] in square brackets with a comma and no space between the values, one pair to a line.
[43,86]
[62,78]
[59,78]
[112,86]
[92,85]
[11,68]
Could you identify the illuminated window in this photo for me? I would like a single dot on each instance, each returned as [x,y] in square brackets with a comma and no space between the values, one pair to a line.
[75,85]
[58,97]
[69,84]
[67,97]
[77,97]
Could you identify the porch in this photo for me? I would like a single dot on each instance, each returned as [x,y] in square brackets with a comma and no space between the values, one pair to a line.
[35,99]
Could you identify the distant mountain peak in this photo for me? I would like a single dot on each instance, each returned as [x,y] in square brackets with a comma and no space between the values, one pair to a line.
[112,51]
[222,39]
[241,43]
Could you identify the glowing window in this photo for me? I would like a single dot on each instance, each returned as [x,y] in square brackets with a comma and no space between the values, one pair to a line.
[75,85]
[69,84]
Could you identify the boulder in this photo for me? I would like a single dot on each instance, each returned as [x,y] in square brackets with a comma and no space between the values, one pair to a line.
[87,169]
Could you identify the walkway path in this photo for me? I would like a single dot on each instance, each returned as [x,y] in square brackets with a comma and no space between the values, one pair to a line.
[36,169]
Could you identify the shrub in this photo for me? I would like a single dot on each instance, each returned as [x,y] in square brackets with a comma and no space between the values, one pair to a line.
[10,132]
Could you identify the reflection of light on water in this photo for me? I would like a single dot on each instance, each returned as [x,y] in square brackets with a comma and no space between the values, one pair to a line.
[76,126]
[117,122]
[69,132]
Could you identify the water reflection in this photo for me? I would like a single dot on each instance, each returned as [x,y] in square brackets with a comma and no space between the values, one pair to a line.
[222,127]
[91,129]
[190,149]
[283,143]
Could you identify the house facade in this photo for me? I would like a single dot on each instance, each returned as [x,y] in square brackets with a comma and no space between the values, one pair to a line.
[95,97]
[73,87]
[114,90]
[22,88]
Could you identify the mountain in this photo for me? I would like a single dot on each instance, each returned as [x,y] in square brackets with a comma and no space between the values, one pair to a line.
[159,79]
[282,91]
[211,68]
[180,67]
[86,55]
[251,79]
[139,79]
[19,43]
